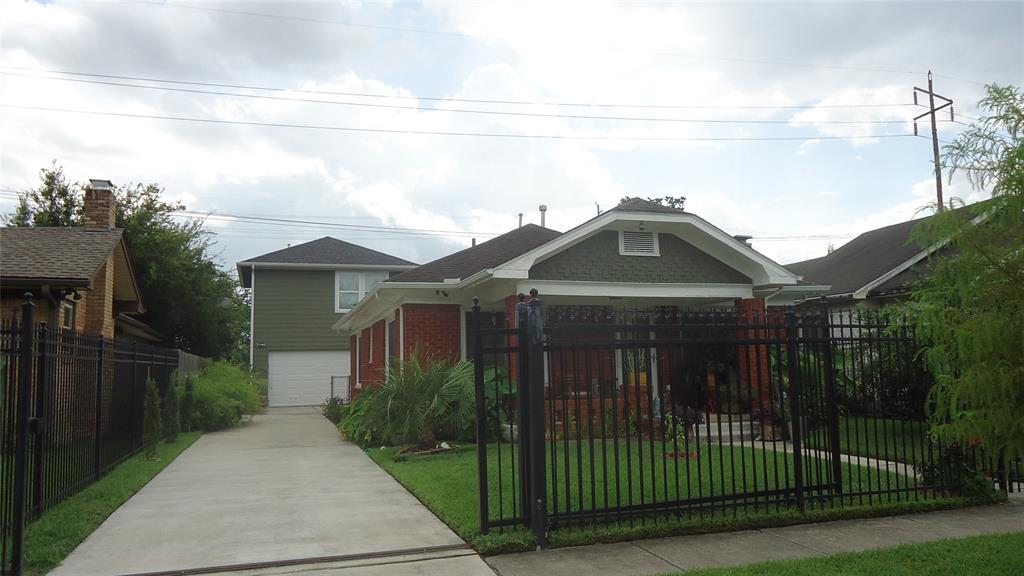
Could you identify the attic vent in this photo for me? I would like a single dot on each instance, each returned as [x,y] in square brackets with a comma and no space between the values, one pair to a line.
[638,244]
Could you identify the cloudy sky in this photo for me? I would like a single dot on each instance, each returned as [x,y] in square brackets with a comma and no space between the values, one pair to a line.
[746,109]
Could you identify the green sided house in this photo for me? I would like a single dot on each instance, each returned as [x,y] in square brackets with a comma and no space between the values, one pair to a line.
[637,254]
[297,294]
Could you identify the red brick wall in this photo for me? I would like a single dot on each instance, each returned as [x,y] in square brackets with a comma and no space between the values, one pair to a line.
[755,361]
[371,366]
[435,329]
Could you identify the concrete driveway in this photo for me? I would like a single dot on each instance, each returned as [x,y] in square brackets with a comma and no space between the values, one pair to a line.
[282,490]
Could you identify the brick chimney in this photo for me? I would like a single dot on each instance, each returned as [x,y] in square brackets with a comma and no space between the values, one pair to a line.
[99,209]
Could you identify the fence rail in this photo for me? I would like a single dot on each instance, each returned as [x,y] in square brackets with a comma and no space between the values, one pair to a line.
[595,413]
[71,409]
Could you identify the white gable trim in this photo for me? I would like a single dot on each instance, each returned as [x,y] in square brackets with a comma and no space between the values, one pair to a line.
[862,292]
[728,248]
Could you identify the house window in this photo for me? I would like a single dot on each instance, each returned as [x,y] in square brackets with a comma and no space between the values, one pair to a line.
[351,287]
[638,244]
[67,317]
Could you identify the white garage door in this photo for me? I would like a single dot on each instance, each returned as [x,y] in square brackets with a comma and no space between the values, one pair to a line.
[304,378]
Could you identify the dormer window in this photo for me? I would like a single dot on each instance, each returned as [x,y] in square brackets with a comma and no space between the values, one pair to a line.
[638,244]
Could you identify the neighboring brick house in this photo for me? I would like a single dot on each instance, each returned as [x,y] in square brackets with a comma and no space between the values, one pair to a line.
[637,254]
[297,294]
[81,278]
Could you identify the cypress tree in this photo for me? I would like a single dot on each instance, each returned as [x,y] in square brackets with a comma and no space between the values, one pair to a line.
[151,420]
[172,413]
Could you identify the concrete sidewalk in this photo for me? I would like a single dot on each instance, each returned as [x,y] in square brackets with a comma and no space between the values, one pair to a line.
[661,555]
[283,490]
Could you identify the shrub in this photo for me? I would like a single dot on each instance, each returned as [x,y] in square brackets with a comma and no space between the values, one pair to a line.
[151,423]
[332,408]
[187,401]
[354,423]
[172,413]
[223,393]
[418,401]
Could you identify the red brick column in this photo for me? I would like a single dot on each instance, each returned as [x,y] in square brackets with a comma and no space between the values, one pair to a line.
[754,359]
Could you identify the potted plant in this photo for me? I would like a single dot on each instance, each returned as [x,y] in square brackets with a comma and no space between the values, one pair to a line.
[636,366]
[771,418]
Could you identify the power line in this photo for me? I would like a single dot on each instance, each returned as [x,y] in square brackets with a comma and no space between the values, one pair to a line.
[461,110]
[446,99]
[292,221]
[354,129]
[484,38]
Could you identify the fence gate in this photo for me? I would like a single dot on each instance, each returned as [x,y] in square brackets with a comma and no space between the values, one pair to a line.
[596,413]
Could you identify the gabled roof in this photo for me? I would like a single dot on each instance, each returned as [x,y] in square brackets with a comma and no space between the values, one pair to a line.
[867,259]
[489,254]
[324,253]
[61,257]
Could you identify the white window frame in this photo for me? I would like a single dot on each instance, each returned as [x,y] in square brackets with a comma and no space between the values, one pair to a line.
[361,292]
[67,321]
[622,244]
[359,361]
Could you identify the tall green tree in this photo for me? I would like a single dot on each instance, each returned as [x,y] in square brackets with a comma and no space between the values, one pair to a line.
[55,202]
[188,298]
[970,309]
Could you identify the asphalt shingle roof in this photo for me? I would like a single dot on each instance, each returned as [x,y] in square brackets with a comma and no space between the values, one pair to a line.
[329,250]
[867,257]
[66,256]
[489,254]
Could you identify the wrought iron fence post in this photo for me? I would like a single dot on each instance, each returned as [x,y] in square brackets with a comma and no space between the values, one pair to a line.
[37,423]
[98,448]
[21,436]
[832,397]
[481,419]
[523,424]
[535,381]
[793,368]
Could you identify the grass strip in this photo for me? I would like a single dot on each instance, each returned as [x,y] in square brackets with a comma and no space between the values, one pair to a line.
[990,555]
[447,484]
[49,539]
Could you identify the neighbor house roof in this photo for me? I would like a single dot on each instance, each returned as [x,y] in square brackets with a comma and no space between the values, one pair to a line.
[323,253]
[864,262]
[65,257]
[489,254]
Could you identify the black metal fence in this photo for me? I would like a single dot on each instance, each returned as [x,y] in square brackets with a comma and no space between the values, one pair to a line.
[595,413]
[71,409]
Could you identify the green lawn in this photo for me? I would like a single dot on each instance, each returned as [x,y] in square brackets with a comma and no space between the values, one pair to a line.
[60,529]
[993,555]
[447,484]
[883,438]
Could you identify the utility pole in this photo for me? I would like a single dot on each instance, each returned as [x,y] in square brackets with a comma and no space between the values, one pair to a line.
[935,135]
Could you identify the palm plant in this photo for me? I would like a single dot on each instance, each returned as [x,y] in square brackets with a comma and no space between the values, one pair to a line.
[420,397]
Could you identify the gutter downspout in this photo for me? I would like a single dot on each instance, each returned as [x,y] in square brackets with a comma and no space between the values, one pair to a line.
[252,315]
[772,295]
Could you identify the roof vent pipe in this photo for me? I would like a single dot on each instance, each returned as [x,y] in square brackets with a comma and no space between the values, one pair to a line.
[520,219]
[474,242]
[744,238]
[543,210]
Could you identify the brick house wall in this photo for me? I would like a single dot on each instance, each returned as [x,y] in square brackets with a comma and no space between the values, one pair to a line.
[435,328]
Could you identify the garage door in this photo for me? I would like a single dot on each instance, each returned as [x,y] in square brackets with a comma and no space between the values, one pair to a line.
[304,378]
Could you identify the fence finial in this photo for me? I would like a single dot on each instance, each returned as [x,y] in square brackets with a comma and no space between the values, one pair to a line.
[28,298]
[521,297]
[476,304]
[534,292]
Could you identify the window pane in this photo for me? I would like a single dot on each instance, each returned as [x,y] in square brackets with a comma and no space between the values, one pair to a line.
[348,281]
[374,278]
[347,299]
